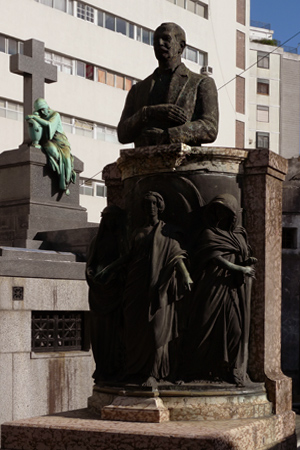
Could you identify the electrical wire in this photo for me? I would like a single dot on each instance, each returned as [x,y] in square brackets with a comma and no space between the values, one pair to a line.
[256,62]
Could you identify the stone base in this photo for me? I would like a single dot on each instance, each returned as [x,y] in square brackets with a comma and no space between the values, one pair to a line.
[30,199]
[81,430]
[206,401]
[136,409]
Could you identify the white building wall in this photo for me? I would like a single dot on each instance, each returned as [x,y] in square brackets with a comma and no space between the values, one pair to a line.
[272,101]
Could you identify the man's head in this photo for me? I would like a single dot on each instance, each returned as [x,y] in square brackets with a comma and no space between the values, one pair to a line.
[169,43]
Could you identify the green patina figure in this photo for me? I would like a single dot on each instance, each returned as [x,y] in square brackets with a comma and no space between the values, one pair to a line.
[46,132]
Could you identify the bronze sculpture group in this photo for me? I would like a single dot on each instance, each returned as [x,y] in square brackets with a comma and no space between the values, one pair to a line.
[164,311]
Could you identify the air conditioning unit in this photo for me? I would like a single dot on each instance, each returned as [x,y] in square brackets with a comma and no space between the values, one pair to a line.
[206,70]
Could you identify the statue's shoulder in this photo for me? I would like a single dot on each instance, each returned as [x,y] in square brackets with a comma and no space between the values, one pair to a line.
[199,77]
[143,84]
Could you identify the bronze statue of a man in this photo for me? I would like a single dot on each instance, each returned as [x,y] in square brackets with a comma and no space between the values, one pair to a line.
[173,104]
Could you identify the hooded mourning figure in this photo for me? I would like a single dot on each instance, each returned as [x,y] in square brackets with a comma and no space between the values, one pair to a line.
[46,131]
[216,344]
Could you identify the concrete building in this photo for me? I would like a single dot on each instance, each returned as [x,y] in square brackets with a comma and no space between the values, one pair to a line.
[274,103]
[101,48]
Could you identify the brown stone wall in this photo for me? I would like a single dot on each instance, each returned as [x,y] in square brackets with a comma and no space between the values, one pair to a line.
[240,49]
[241,11]
[239,134]
[240,95]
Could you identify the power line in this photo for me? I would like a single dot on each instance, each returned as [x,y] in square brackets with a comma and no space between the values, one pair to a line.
[254,64]
[90,179]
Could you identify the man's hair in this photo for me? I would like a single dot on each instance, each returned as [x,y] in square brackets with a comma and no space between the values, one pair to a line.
[179,32]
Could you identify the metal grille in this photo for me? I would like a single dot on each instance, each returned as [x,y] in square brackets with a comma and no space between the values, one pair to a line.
[56,331]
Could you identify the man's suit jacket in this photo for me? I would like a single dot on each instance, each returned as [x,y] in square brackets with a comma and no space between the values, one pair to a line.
[196,94]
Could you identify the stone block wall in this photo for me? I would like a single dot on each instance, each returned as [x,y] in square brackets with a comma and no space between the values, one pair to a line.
[40,383]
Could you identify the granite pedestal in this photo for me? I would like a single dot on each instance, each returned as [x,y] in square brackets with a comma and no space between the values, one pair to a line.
[30,200]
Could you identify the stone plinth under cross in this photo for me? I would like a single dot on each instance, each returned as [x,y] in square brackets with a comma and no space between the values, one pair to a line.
[32,66]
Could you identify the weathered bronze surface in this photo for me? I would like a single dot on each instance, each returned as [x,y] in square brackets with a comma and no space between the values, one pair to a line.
[46,132]
[173,104]
[216,342]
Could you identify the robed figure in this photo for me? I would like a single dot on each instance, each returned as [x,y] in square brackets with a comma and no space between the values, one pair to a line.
[216,344]
[105,294]
[156,274]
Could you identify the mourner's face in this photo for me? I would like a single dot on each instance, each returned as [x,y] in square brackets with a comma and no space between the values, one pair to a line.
[150,205]
[44,112]
[166,45]
[224,217]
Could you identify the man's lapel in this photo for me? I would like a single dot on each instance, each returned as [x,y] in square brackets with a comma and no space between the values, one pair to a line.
[178,82]
[144,91]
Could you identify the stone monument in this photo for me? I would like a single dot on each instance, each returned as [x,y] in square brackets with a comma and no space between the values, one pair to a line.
[31,199]
[194,356]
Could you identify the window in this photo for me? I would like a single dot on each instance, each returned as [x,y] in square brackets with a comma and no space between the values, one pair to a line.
[62,5]
[262,113]
[192,54]
[67,123]
[57,331]
[100,19]
[11,110]
[2,44]
[193,6]
[61,62]
[121,26]
[93,188]
[262,86]
[80,69]
[262,140]
[85,70]
[85,12]
[86,188]
[263,60]
[289,237]
[101,190]
[83,128]
[109,22]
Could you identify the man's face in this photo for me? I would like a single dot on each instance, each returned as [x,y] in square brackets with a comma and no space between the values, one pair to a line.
[166,45]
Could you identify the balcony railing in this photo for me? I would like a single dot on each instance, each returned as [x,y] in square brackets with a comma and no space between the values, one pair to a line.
[257,24]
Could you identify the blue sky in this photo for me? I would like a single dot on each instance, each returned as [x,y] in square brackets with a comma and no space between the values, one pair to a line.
[283,15]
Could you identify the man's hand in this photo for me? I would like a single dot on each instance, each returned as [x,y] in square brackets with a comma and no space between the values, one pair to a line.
[154,136]
[166,113]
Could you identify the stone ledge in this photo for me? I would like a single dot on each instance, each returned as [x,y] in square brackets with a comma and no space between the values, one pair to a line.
[84,430]
[179,157]
[181,404]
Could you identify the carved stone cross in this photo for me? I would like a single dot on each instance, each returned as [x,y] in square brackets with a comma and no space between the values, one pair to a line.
[35,71]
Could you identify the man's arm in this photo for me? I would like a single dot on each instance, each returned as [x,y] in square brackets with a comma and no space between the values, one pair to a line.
[133,123]
[203,127]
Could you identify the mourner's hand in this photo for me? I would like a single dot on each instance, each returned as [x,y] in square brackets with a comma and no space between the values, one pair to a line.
[103,276]
[188,282]
[249,271]
[251,261]
[90,272]
[163,113]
